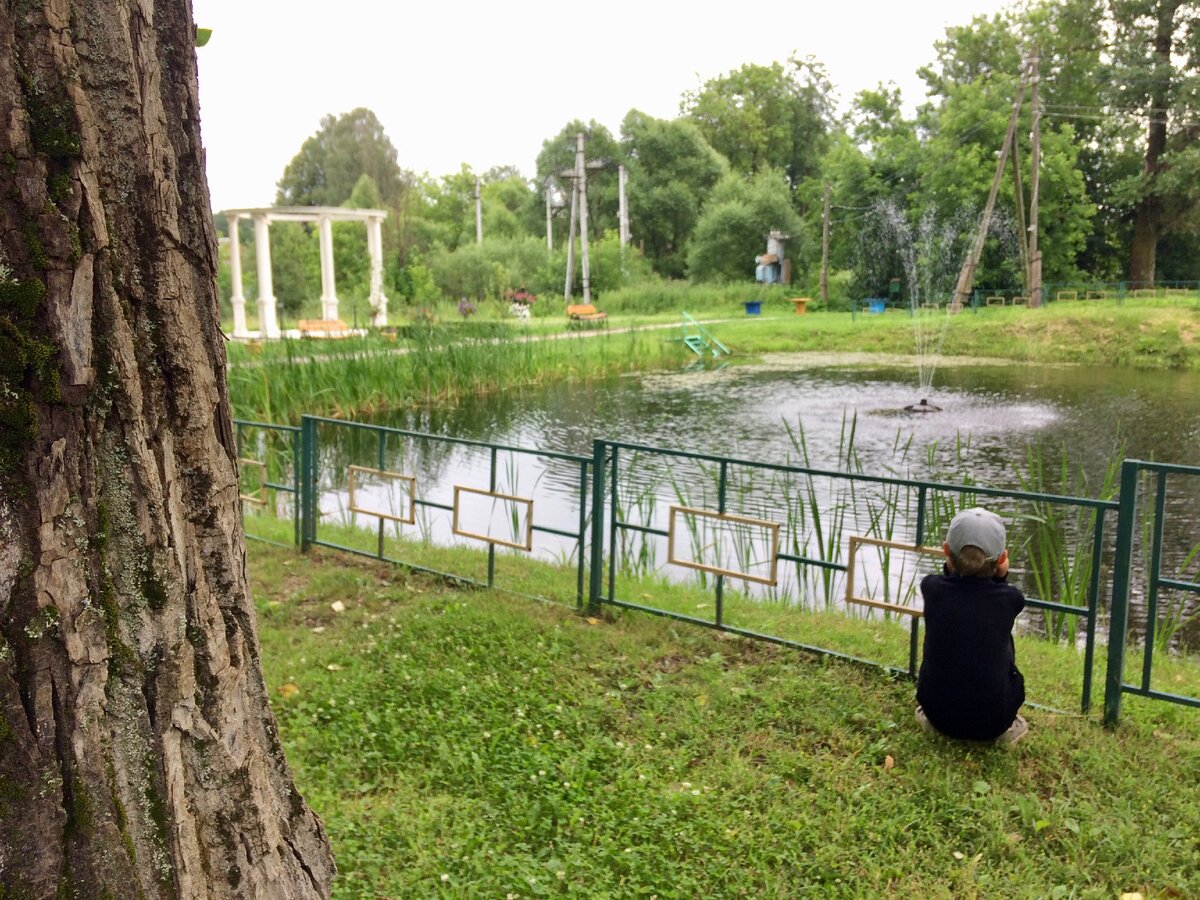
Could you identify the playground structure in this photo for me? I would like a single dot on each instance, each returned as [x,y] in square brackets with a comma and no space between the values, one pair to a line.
[324,216]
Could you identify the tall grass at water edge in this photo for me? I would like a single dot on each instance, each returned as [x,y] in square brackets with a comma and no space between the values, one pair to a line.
[434,368]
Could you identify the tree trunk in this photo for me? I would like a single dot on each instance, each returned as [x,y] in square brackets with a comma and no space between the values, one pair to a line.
[138,754]
[1147,222]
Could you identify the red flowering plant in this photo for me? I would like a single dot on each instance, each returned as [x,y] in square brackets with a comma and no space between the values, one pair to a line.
[520,295]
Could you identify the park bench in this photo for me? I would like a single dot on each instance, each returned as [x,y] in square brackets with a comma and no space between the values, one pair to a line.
[323,327]
[582,313]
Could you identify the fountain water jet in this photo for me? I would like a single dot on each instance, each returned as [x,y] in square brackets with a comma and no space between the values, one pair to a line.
[930,256]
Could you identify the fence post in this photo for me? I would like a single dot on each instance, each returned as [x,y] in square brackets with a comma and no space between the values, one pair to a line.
[1118,620]
[306,480]
[596,567]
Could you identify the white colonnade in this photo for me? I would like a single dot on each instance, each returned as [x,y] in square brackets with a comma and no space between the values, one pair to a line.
[324,216]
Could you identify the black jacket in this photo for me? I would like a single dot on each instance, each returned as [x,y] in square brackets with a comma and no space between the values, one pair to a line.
[969,685]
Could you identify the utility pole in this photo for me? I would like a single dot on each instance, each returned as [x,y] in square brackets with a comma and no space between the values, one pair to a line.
[581,180]
[622,209]
[825,250]
[1035,153]
[1022,230]
[549,227]
[478,214]
[966,278]
[571,235]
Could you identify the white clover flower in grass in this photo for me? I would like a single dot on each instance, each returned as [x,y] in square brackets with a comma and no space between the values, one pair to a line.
[445,877]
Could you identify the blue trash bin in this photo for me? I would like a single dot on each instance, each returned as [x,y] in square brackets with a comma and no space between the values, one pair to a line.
[753,307]
[876,306]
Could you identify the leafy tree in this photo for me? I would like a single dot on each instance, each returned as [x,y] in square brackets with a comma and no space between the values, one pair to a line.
[973,86]
[733,227]
[295,265]
[766,117]
[1155,74]
[672,169]
[330,163]
[507,202]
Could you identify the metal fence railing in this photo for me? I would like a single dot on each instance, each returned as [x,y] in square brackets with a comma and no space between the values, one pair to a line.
[423,492]
[739,545]
[663,505]
[269,471]
[1166,597]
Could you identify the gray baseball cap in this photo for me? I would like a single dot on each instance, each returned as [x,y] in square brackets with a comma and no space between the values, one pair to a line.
[977,527]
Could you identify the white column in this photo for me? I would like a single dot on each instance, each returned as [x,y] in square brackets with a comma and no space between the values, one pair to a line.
[268,325]
[237,297]
[375,247]
[329,300]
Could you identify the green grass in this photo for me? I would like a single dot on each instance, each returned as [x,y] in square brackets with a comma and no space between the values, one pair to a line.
[467,743]
[279,381]
[434,368]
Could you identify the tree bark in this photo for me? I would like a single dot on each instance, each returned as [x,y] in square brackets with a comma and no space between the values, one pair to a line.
[138,753]
[1148,220]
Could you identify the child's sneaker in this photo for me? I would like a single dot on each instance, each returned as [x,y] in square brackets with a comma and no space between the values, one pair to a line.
[924,722]
[1015,732]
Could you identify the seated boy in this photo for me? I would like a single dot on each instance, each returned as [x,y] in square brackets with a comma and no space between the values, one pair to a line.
[969,686]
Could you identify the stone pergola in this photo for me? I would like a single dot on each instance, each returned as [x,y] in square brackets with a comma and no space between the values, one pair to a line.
[324,216]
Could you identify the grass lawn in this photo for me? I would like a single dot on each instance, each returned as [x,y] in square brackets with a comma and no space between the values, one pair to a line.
[463,743]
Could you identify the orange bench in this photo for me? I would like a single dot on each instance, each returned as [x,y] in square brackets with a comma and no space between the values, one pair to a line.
[326,327]
[578,313]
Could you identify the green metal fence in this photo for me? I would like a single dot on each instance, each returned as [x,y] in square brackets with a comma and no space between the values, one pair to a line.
[274,451]
[1148,522]
[813,541]
[429,519]
[609,525]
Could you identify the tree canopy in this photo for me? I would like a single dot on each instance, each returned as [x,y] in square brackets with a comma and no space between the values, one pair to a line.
[1119,191]
[330,163]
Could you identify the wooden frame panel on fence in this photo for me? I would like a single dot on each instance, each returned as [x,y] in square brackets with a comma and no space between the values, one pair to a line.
[408,480]
[772,527]
[857,541]
[460,489]
[262,484]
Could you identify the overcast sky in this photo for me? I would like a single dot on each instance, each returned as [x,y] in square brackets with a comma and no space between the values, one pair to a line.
[486,82]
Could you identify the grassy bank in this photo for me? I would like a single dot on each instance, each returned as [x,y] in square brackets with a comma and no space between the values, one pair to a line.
[1144,337]
[470,744]
[279,381]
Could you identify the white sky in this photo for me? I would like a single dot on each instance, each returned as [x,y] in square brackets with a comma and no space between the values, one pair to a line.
[486,82]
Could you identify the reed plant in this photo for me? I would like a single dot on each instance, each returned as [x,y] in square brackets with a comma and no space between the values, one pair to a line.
[433,368]
[1057,540]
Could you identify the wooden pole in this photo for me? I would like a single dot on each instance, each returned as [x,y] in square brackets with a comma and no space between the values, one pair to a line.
[1035,163]
[478,214]
[1022,231]
[549,227]
[966,278]
[622,206]
[571,240]
[825,250]
[581,180]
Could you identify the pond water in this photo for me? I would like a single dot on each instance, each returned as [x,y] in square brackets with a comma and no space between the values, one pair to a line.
[992,417]
[1000,410]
